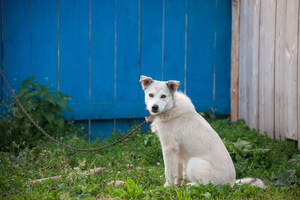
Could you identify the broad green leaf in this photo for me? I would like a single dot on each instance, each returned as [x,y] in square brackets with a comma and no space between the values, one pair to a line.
[62,103]
[49,116]
[59,121]
[37,84]
[49,98]
[32,93]
[64,95]
[28,80]
[30,105]
[55,108]
[22,90]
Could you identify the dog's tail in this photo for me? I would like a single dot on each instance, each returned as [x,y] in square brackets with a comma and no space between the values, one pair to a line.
[252,181]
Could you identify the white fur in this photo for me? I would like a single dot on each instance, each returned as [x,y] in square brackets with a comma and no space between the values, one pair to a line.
[188,142]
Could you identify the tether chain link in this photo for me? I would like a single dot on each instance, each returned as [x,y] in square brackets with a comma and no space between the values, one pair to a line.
[58,142]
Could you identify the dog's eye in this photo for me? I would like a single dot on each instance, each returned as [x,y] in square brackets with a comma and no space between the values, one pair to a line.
[163,96]
[151,95]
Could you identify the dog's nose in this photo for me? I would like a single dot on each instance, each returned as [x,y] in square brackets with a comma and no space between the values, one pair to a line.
[154,108]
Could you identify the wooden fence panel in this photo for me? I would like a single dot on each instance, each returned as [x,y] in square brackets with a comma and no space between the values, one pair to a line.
[298,89]
[151,39]
[127,58]
[102,61]
[266,67]
[17,44]
[102,50]
[276,82]
[44,40]
[95,52]
[280,105]
[291,66]
[222,50]
[1,59]
[253,61]
[174,41]
[74,67]
[235,39]
[243,76]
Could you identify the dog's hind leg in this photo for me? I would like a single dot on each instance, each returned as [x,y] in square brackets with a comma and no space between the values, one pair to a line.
[198,171]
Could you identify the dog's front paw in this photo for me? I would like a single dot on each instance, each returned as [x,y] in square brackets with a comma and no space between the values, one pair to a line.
[167,184]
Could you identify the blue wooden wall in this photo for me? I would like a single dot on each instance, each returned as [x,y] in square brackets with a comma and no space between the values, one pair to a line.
[95,52]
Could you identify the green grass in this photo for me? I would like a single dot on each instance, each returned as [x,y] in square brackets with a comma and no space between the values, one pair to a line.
[254,155]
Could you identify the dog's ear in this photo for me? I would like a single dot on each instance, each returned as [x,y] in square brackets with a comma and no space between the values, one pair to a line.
[146,81]
[173,85]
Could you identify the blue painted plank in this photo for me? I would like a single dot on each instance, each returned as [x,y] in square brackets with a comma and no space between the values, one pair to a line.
[107,110]
[17,55]
[1,79]
[223,49]
[74,49]
[123,110]
[200,49]
[151,38]
[174,41]
[101,129]
[44,41]
[127,50]
[102,50]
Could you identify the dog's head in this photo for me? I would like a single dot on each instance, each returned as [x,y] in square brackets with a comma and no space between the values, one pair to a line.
[158,94]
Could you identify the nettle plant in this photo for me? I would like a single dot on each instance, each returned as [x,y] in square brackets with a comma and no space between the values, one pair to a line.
[45,106]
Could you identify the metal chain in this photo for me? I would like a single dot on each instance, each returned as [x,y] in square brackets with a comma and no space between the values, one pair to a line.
[58,142]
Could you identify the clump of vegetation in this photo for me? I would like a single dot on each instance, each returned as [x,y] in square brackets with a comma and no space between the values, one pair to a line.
[137,161]
[45,105]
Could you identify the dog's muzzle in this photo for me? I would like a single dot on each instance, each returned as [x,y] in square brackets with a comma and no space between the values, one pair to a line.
[154,108]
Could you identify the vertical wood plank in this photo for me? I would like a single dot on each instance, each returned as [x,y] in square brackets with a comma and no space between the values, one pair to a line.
[44,41]
[235,43]
[102,61]
[222,50]
[291,67]
[253,62]
[280,105]
[298,108]
[74,49]
[151,39]
[16,22]
[127,80]
[1,56]
[243,76]
[200,82]
[102,50]
[174,41]
[266,67]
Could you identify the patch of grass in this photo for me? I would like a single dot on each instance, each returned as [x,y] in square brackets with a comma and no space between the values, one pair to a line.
[135,162]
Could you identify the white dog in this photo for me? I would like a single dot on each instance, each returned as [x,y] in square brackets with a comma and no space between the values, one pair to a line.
[188,142]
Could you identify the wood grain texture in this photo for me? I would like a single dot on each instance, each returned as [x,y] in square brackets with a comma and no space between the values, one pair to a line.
[291,59]
[127,80]
[280,83]
[266,67]
[74,49]
[298,96]
[174,41]
[17,44]
[253,61]
[235,36]
[243,52]
[44,31]
[200,85]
